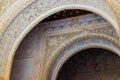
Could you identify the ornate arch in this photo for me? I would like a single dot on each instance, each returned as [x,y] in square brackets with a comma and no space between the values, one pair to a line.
[23,20]
[75,47]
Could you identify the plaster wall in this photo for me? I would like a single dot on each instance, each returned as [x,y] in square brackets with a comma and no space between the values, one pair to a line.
[39,46]
[18,18]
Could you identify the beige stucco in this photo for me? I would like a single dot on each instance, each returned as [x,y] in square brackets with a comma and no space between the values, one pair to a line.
[17,18]
[115,5]
[5,5]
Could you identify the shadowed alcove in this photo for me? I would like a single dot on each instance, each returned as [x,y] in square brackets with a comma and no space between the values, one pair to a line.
[91,64]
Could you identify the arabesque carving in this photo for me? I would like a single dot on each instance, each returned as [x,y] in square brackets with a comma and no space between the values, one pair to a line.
[21,18]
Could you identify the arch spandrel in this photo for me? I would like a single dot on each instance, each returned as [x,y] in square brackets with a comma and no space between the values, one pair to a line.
[39,9]
[115,6]
[14,29]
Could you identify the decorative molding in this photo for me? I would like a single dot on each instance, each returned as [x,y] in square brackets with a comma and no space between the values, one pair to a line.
[27,15]
[16,25]
[49,37]
[13,11]
[75,47]
[57,37]
[115,5]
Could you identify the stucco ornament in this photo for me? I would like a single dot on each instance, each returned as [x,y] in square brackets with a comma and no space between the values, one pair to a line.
[115,5]
[5,4]
[20,18]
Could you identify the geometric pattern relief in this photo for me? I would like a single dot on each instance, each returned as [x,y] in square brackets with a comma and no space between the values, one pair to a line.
[60,31]
[88,23]
[57,33]
[92,66]
[48,38]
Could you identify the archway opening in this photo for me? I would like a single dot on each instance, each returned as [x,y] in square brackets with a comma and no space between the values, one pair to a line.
[65,22]
[91,64]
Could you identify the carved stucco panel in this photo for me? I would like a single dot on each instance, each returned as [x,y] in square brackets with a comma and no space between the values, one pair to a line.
[51,46]
[72,49]
[53,42]
[15,28]
[56,39]
[35,10]
[28,15]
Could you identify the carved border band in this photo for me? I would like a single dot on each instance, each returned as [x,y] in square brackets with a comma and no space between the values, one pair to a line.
[75,47]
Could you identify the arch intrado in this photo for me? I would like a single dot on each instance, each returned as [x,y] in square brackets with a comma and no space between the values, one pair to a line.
[76,47]
[23,20]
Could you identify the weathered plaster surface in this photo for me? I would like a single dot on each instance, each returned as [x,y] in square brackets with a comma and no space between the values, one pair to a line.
[18,21]
[12,11]
[46,39]
[38,9]
[115,5]
[5,5]
[74,48]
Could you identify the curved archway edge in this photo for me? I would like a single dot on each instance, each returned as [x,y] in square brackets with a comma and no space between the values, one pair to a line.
[74,48]
[21,25]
